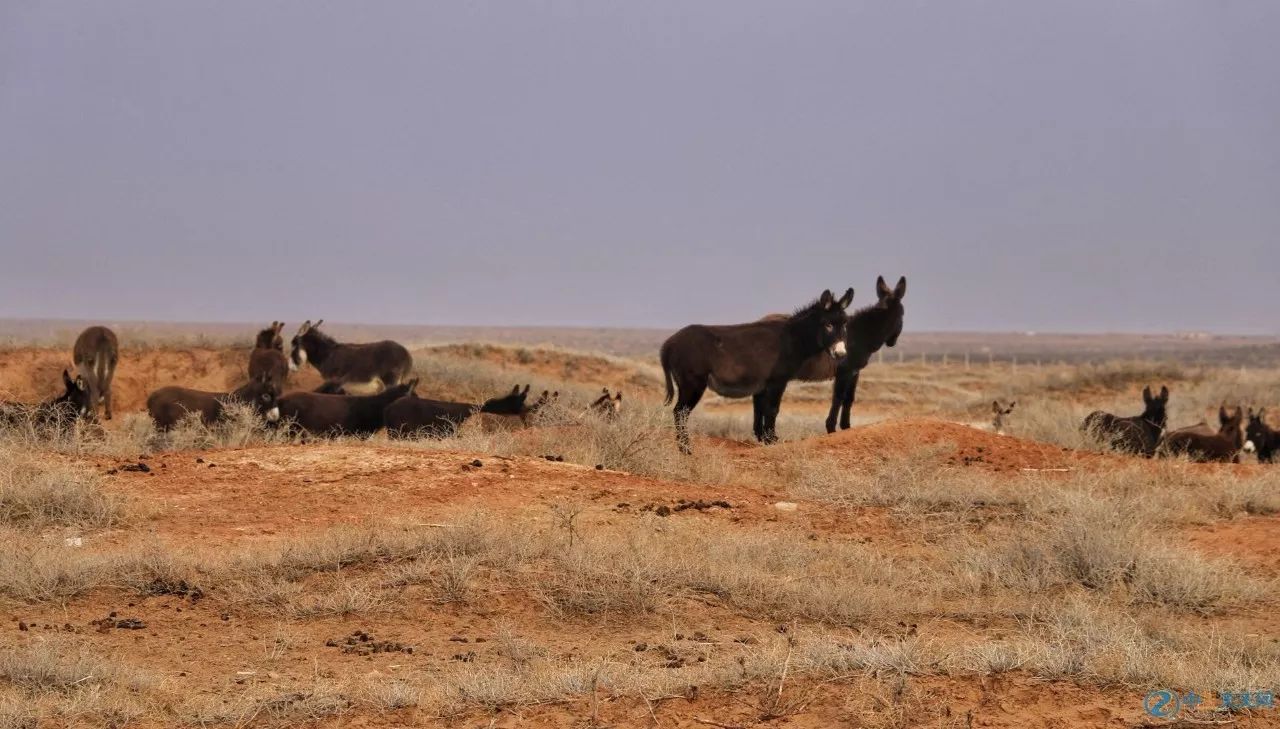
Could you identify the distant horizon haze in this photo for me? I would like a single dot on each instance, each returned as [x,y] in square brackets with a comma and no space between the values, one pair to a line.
[1059,167]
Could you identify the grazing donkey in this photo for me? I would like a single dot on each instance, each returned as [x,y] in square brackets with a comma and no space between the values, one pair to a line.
[867,330]
[321,414]
[1224,446]
[412,416]
[1134,434]
[95,355]
[1000,412]
[1263,438]
[361,369]
[169,405]
[267,358]
[742,360]
[610,406]
[58,413]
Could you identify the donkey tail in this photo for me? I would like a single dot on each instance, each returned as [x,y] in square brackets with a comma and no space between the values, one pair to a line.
[666,374]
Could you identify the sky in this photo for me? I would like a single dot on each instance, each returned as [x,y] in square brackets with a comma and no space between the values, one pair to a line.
[1052,166]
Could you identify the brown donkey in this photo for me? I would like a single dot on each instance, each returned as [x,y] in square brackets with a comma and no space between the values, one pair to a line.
[361,369]
[745,360]
[169,405]
[868,329]
[413,416]
[55,414]
[1134,434]
[1000,412]
[95,355]
[329,415]
[608,405]
[267,358]
[1224,446]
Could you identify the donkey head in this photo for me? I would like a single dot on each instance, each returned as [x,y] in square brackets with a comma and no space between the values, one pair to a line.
[608,405]
[822,324]
[509,404]
[1257,434]
[891,301]
[1000,411]
[76,397]
[1155,411]
[305,337]
[261,393]
[270,338]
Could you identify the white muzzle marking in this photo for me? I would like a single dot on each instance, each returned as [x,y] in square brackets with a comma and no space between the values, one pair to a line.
[273,415]
[838,350]
[1249,447]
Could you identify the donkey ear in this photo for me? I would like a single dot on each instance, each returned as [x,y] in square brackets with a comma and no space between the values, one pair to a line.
[526,390]
[304,328]
[1012,405]
[995,406]
[827,299]
[846,299]
[901,289]
[66,380]
[618,396]
[882,288]
[1146,394]
[1222,414]
[515,390]
[317,324]
[1164,392]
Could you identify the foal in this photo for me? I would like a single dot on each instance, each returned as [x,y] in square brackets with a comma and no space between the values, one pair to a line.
[610,406]
[169,405]
[1000,412]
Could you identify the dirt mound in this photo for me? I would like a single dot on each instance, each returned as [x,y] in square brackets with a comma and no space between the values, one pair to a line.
[962,446]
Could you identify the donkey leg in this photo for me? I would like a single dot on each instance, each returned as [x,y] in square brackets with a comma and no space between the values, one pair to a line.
[690,394]
[847,406]
[838,387]
[771,416]
[106,387]
[759,406]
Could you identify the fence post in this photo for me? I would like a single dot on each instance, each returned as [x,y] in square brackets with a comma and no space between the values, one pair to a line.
[966,359]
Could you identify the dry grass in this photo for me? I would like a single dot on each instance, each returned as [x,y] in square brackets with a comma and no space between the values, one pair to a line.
[37,493]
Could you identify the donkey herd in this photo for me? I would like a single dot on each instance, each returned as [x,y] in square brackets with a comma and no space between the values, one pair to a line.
[368,386]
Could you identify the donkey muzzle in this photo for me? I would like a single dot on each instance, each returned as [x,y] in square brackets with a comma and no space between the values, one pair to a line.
[272,415]
[837,350]
[1249,447]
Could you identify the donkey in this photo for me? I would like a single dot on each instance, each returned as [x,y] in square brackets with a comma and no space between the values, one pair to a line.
[610,406]
[267,358]
[1262,437]
[1134,434]
[95,354]
[868,329]
[328,415]
[169,405]
[1000,412]
[413,416]
[741,360]
[545,400]
[362,369]
[57,413]
[1224,446]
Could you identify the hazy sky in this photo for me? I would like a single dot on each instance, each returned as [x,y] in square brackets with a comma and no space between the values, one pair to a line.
[1070,165]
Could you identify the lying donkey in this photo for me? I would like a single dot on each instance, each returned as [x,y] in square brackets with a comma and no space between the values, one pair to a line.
[76,402]
[412,416]
[169,405]
[329,415]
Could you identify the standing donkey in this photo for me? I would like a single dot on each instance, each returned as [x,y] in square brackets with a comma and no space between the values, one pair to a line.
[95,354]
[747,360]
[360,369]
[999,412]
[867,330]
[267,362]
